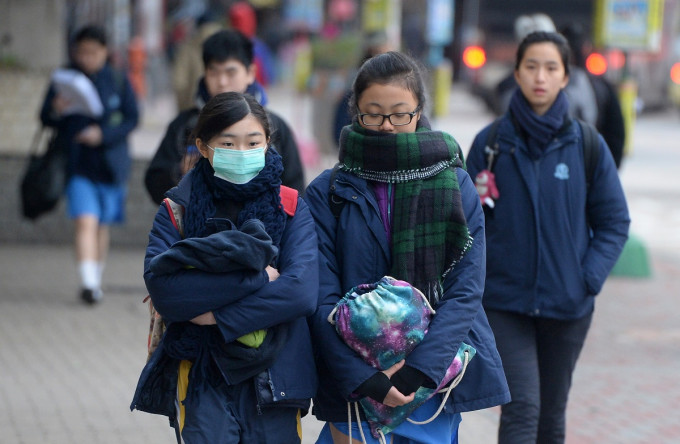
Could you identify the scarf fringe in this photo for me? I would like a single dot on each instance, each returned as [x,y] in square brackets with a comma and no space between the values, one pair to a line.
[401,176]
[435,290]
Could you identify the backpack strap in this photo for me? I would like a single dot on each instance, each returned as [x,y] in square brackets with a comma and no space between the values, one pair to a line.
[591,152]
[157,325]
[491,148]
[176,212]
[289,200]
[119,78]
[336,204]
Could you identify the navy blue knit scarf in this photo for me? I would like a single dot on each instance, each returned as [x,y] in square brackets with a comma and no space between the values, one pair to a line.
[259,197]
[540,130]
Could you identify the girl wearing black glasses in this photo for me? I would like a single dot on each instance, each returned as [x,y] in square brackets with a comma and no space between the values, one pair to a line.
[400,203]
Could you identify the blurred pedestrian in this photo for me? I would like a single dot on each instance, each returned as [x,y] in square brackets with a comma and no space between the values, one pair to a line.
[374,43]
[98,158]
[187,65]
[524,25]
[231,266]
[242,17]
[582,103]
[228,67]
[552,239]
[407,209]
[610,121]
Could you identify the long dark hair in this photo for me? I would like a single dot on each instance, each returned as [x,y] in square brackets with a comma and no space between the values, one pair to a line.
[386,68]
[555,38]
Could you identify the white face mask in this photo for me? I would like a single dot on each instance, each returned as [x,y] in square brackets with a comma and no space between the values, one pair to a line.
[237,166]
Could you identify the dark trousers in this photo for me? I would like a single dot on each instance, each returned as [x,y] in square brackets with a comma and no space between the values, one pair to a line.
[539,356]
[222,414]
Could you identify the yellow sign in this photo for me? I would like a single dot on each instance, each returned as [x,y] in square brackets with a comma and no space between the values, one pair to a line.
[264,3]
[376,14]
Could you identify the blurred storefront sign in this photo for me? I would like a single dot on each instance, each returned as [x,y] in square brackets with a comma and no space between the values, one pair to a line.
[383,15]
[439,30]
[376,14]
[629,24]
[342,10]
[439,33]
[304,14]
[265,3]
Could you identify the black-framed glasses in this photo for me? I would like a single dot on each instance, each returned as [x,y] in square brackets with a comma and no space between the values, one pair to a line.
[396,119]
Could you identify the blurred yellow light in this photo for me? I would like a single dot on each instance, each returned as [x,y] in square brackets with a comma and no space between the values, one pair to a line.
[474,57]
[596,64]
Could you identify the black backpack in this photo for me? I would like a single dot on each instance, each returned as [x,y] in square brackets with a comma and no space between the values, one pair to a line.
[591,145]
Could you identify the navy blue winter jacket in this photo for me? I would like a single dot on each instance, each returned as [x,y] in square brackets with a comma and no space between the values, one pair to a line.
[353,250]
[109,162]
[242,302]
[550,241]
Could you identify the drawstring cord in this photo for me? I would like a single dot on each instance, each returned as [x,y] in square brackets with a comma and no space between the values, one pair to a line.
[446,390]
[361,429]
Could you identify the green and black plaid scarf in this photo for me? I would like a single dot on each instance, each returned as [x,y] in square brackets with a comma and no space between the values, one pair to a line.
[429,230]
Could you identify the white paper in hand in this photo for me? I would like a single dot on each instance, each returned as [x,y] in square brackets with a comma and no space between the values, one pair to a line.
[79,91]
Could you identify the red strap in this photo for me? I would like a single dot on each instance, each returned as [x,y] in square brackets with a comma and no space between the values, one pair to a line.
[289,200]
[171,213]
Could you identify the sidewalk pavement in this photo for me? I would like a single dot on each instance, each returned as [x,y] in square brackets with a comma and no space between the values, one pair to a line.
[69,371]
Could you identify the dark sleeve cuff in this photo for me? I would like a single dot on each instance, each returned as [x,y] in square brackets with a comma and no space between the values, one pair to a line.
[376,387]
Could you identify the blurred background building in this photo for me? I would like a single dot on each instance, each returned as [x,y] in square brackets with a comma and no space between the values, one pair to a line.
[316,44]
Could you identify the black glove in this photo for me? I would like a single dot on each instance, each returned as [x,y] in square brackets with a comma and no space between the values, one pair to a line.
[376,387]
[408,379]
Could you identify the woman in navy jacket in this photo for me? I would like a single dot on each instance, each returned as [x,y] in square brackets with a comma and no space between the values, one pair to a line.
[356,247]
[552,239]
[235,289]
[98,161]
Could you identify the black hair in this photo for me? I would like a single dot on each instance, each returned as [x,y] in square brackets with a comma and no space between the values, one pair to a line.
[387,68]
[224,110]
[545,37]
[576,37]
[225,45]
[90,32]
[207,17]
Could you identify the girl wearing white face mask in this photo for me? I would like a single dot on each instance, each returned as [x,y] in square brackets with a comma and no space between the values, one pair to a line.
[238,166]
[234,284]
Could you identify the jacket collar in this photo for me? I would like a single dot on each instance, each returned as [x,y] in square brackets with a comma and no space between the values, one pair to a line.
[182,192]
[512,132]
[354,189]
